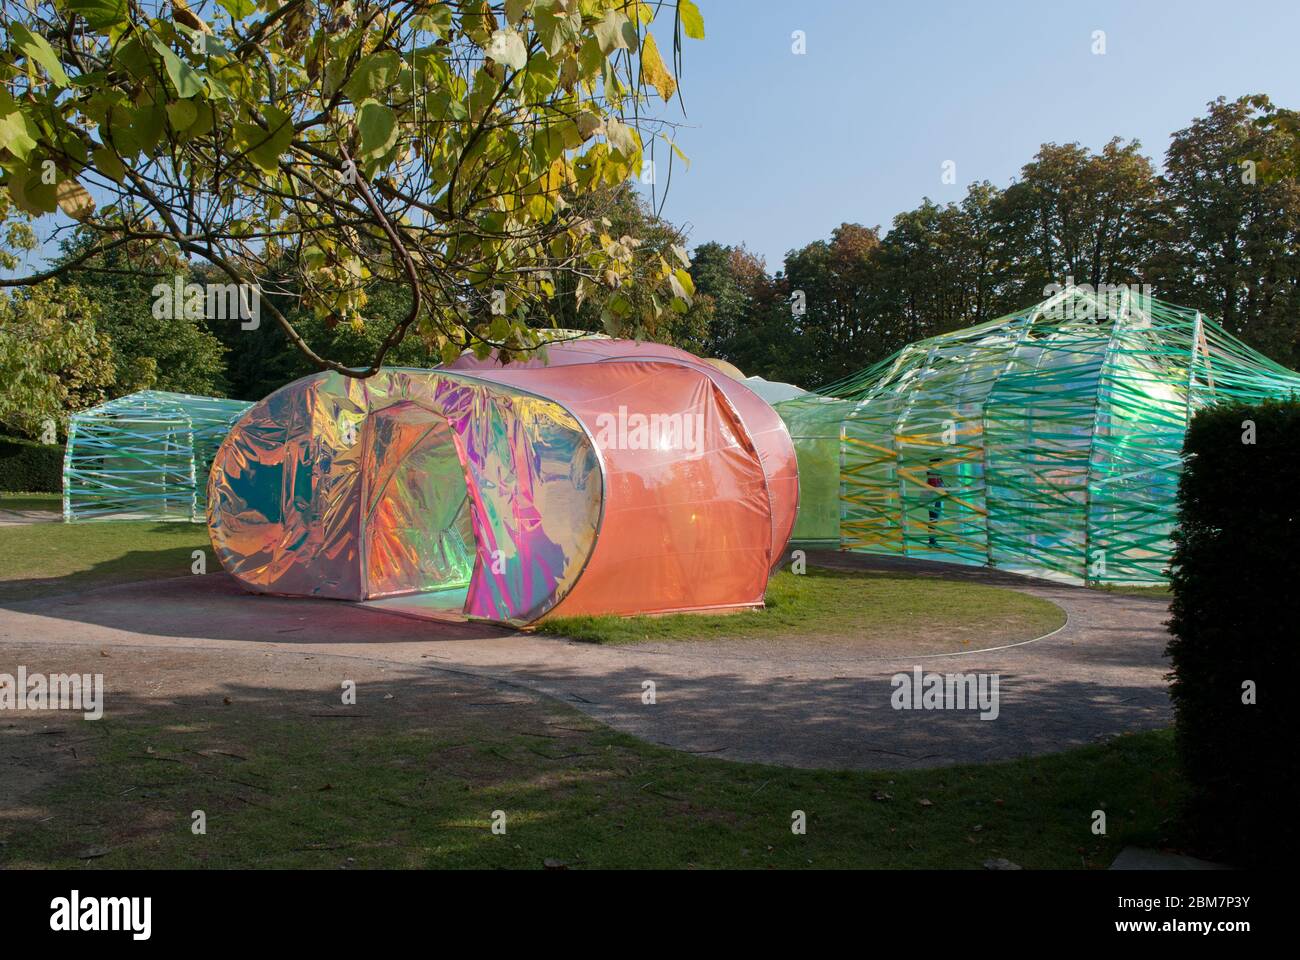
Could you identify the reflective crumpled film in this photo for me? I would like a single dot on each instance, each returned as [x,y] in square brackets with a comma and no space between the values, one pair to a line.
[417,518]
[766,429]
[622,487]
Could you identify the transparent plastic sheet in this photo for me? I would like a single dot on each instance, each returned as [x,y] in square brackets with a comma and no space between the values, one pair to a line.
[418,525]
[144,456]
[335,487]
[300,505]
[1047,442]
[681,529]
[581,350]
[814,425]
[765,427]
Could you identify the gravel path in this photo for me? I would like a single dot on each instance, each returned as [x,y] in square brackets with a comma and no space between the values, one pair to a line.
[18,518]
[804,704]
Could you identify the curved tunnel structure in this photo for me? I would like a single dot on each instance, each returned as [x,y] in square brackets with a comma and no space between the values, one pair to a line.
[629,480]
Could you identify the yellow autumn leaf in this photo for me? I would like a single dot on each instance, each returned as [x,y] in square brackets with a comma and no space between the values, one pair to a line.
[554,178]
[653,69]
[74,199]
[588,125]
[183,14]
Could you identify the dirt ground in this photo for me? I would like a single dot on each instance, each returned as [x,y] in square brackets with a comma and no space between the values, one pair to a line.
[226,698]
[210,692]
[818,705]
[36,746]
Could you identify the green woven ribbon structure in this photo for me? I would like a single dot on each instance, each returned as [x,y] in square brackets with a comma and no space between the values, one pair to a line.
[1047,442]
[145,456]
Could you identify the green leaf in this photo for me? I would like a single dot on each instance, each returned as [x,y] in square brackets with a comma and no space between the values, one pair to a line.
[692,22]
[556,28]
[437,20]
[29,191]
[36,49]
[378,128]
[549,142]
[590,59]
[477,20]
[187,80]
[450,351]
[108,163]
[507,47]
[203,44]
[218,89]
[263,147]
[515,10]
[137,129]
[99,14]
[132,56]
[182,114]
[441,105]
[18,133]
[682,285]
[374,74]
[238,9]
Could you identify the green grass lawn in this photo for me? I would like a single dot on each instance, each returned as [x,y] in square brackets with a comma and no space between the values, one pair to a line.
[830,603]
[41,559]
[368,793]
[416,786]
[922,614]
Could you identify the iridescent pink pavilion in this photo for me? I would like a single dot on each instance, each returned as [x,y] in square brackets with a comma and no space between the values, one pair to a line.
[611,477]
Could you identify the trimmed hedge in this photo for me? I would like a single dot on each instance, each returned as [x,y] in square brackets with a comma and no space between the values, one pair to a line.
[1235,576]
[28,466]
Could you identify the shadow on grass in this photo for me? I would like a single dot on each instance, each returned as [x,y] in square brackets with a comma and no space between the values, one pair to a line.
[786,704]
[87,556]
[412,775]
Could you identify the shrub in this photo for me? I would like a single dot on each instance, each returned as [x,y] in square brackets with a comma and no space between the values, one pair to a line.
[35,467]
[1236,606]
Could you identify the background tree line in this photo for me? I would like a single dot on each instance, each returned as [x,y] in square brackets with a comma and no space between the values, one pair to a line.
[1217,231]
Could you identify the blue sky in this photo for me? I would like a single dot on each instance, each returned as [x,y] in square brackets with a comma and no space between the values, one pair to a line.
[783,148]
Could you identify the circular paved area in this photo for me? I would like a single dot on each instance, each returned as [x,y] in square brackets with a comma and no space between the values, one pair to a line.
[18,518]
[791,703]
